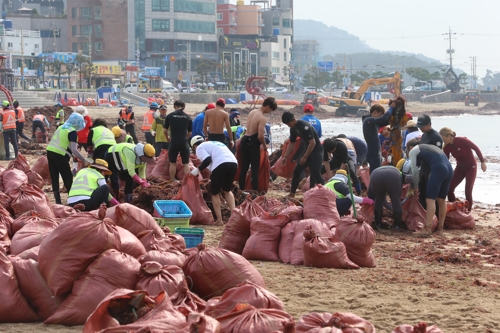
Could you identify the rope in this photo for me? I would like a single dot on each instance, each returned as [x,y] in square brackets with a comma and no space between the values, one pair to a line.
[352,195]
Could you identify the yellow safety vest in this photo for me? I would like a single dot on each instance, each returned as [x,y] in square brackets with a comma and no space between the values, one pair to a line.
[60,141]
[331,186]
[102,136]
[85,182]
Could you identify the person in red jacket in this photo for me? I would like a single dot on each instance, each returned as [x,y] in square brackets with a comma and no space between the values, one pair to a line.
[461,148]
[84,133]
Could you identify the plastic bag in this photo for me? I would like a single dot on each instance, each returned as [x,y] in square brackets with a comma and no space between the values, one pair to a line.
[364,174]
[187,302]
[177,241]
[154,278]
[42,168]
[214,270]
[130,244]
[458,216]
[67,251]
[28,197]
[368,213]
[30,254]
[358,238]
[245,318]
[135,220]
[31,235]
[205,173]
[153,241]
[14,307]
[270,205]
[294,213]
[164,258]
[109,271]
[27,218]
[419,328]
[265,233]
[246,292]
[62,211]
[34,288]
[5,202]
[191,194]
[13,179]
[320,204]
[415,215]
[286,171]
[237,229]
[324,252]
[162,166]
[5,222]
[20,163]
[343,321]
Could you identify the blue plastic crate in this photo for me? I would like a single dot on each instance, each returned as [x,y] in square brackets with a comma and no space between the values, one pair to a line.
[173,209]
[192,236]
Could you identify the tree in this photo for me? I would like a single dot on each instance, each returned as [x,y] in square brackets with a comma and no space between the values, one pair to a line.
[359,77]
[81,61]
[204,67]
[69,69]
[39,65]
[241,73]
[464,78]
[491,79]
[436,76]
[313,77]
[34,12]
[57,69]
[420,74]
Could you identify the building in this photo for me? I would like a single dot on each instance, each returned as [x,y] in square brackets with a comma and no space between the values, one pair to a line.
[240,58]
[226,18]
[306,54]
[52,8]
[278,19]
[275,57]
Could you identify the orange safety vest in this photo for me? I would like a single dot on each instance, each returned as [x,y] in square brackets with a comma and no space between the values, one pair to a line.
[125,116]
[148,120]
[9,119]
[39,117]
[20,115]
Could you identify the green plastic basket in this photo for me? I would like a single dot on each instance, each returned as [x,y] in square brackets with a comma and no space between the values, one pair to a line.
[172,223]
[192,236]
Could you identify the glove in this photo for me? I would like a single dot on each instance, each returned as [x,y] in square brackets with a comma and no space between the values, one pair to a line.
[153,133]
[113,202]
[367,201]
[142,182]
[195,172]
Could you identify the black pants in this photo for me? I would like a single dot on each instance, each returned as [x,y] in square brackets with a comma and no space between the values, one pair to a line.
[130,129]
[59,165]
[98,197]
[343,205]
[149,137]
[101,152]
[10,135]
[218,137]
[117,175]
[422,189]
[386,181]
[19,129]
[250,156]
[314,162]
[159,146]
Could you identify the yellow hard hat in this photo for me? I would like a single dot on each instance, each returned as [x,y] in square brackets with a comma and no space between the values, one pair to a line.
[101,165]
[117,131]
[341,172]
[400,164]
[149,150]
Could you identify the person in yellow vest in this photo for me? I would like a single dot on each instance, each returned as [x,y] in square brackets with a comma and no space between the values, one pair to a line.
[339,185]
[128,163]
[8,127]
[20,120]
[121,136]
[161,141]
[100,139]
[59,118]
[39,122]
[89,187]
[127,118]
[149,118]
[59,151]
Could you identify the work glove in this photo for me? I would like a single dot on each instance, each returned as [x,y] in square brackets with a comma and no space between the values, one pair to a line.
[113,202]
[153,133]
[367,201]
[195,172]
[142,182]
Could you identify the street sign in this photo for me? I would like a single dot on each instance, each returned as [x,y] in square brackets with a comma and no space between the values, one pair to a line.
[172,58]
[180,73]
[325,65]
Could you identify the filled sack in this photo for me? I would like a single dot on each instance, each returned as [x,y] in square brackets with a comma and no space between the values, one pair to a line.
[265,233]
[170,257]
[358,238]
[320,204]
[28,197]
[130,244]
[135,219]
[339,322]
[154,278]
[458,216]
[32,235]
[191,194]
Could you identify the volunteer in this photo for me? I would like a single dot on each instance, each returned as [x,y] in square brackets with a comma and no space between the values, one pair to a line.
[221,162]
[199,120]
[149,117]
[89,187]
[59,118]
[128,163]
[121,136]
[82,134]
[412,132]
[336,153]
[234,118]
[313,155]
[20,120]
[8,127]
[438,184]
[308,110]
[39,122]
[461,149]
[100,139]
[157,131]
[359,147]
[339,185]
[214,123]
[378,118]
[59,150]
[127,118]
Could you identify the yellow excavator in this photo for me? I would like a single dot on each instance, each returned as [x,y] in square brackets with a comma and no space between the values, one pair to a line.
[352,102]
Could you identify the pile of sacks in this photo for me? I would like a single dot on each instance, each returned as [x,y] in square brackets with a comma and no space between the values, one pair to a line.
[313,235]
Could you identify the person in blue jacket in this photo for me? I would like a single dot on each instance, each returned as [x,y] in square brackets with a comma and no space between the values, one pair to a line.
[198,121]
[308,110]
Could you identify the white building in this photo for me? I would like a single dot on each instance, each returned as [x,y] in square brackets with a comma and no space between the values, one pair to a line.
[275,56]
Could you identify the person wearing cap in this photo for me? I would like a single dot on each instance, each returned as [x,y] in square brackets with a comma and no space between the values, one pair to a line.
[59,117]
[440,173]
[221,162]
[461,149]
[336,153]
[234,118]
[61,147]
[216,119]
[121,136]
[89,187]
[8,128]
[199,120]
[100,139]
[128,163]
[412,132]
[404,165]
[157,131]
[313,155]
[84,133]
[149,117]
[308,110]
[339,185]
[20,120]
[127,118]
[39,122]
[177,129]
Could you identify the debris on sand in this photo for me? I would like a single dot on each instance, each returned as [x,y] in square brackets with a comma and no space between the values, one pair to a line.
[491,106]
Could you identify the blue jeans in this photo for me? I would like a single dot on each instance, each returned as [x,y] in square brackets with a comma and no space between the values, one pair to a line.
[10,135]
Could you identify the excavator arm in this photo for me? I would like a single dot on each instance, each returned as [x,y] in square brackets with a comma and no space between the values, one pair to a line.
[396,81]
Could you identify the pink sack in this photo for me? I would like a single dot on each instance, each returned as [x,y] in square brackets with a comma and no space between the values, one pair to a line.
[13,179]
[31,235]
[191,194]
[294,213]
[62,211]
[265,232]
[130,244]
[169,257]
[319,204]
[30,254]
[415,215]
[297,250]
[343,321]
[245,318]
[35,179]
[367,212]
[19,163]
[162,166]
[27,218]
[364,174]
[153,241]
[42,168]
[5,224]
[458,216]
[154,278]
[135,220]
[358,238]
[419,328]
[28,197]
[187,302]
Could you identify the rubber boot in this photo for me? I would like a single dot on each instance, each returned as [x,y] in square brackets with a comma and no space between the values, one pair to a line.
[57,197]
[377,223]
[398,221]
[128,197]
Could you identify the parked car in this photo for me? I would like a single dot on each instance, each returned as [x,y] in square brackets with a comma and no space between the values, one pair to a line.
[130,88]
[270,89]
[281,90]
[170,89]
[192,90]
[409,89]
[305,90]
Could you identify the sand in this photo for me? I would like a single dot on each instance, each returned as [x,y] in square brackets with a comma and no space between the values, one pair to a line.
[451,280]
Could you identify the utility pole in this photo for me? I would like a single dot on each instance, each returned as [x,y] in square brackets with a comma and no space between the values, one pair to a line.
[137,59]
[22,58]
[189,67]
[450,51]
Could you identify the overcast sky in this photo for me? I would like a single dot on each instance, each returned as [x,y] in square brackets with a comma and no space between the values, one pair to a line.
[417,26]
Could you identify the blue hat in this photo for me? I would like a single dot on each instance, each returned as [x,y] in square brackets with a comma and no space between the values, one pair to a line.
[58,104]
[153,105]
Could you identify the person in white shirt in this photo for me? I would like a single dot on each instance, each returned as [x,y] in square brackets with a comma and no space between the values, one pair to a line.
[221,162]
[413,132]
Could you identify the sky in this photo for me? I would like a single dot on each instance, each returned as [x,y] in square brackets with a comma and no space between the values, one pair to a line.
[417,26]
